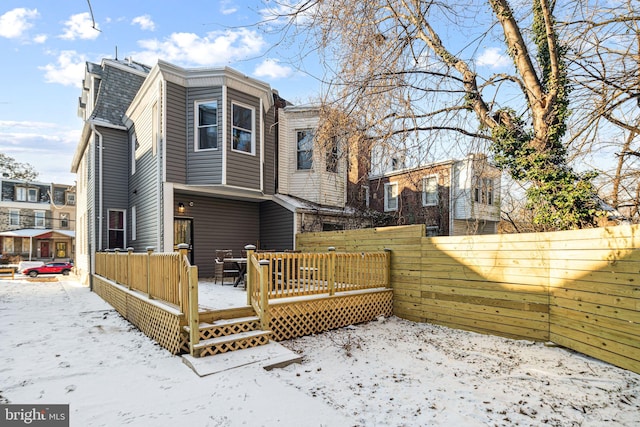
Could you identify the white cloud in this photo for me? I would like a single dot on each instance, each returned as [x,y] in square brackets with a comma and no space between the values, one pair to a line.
[189,49]
[40,38]
[80,26]
[272,69]
[227,7]
[14,23]
[145,22]
[37,143]
[493,58]
[68,69]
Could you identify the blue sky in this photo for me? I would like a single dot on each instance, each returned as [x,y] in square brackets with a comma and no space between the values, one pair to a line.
[45,44]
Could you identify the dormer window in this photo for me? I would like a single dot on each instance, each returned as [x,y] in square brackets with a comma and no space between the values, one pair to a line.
[24,194]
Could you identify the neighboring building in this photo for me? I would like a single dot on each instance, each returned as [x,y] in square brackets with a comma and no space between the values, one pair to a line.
[171,155]
[37,220]
[455,197]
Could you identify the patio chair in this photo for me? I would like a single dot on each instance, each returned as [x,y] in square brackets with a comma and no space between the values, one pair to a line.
[224,269]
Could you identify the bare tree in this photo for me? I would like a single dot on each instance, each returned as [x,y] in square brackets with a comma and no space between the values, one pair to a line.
[12,169]
[409,73]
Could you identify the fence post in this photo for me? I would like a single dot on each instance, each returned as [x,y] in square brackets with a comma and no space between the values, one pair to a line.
[149,252]
[183,250]
[264,298]
[249,282]
[388,254]
[129,253]
[331,271]
[194,319]
[117,258]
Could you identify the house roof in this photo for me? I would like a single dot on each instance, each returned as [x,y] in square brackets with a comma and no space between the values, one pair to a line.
[295,204]
[38,232]
[120,83]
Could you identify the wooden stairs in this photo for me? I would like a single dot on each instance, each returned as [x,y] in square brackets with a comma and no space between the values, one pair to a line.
[221,331]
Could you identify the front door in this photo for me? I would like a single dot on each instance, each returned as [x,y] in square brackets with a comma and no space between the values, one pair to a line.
[183,233]
[61,249]
[44,249]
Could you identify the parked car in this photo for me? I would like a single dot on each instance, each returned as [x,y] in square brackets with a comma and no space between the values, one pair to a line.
[49,268]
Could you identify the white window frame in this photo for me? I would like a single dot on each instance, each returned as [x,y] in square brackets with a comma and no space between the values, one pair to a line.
[388,205]
[71,198]
[197,127]
[252,152]
[14,217]
[123,229]
[134,148]
[32,195]
[64,220]
[484,191]
[425,198]
[134,222]
[365,190]
[21,194]
[39,219]
[298,151]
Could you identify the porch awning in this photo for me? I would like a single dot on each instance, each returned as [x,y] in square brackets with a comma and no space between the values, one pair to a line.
[39,233]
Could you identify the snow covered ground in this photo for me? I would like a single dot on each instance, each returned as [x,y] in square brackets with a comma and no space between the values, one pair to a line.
[61,343]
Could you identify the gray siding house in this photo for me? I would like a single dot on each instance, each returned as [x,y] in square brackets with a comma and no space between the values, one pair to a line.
[171,155]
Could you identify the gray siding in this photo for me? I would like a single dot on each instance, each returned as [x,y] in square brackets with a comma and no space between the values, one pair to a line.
[276,227]
[176,133]
[115,165]
[145,191]
[243,170]
[203,167]
[219,224]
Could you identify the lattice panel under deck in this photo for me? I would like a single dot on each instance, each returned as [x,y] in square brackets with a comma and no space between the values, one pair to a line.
[235,345]
[162,326]
[297,319]
[217,331]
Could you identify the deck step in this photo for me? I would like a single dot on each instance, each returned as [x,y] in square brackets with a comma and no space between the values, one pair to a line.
[224,323]
[233,342]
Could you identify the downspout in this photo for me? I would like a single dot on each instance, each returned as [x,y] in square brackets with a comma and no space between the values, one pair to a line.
[451,192]
[100,204]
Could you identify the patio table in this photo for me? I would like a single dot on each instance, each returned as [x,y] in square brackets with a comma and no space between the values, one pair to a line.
[242,268]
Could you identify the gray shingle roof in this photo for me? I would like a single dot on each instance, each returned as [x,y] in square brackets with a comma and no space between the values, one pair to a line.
[117,89]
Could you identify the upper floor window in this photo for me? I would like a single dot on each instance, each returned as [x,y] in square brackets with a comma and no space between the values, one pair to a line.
[391,196]
[207,126]
[71,198]
[64,220]
[304,149]
[24,194]
[134,148]
[243,135]
[483,191]
[430,190]
[14,217]
[39,219]
[364,194]
[332,156]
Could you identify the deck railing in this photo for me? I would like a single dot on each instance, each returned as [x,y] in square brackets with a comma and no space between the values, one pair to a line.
[274,275]
[168,277]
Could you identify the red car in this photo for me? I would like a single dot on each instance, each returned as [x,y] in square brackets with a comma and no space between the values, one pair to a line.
[50,268]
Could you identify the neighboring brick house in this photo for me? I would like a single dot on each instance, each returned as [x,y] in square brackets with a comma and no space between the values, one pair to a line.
[32,224]
[454,197]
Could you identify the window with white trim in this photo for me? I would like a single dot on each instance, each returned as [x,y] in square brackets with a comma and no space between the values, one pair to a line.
[64,220]
[32,195]
[391,196]
[134,147]
[207,125]
[21,194]
[430,190]
[116,229]
[14,217]
[71,198]
[134,221]
[39,219]
[304,149]
[242,128]
[364,194]
[483,191]
[332,156]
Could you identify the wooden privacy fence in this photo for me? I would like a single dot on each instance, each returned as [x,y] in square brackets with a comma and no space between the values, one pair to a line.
[576,288]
